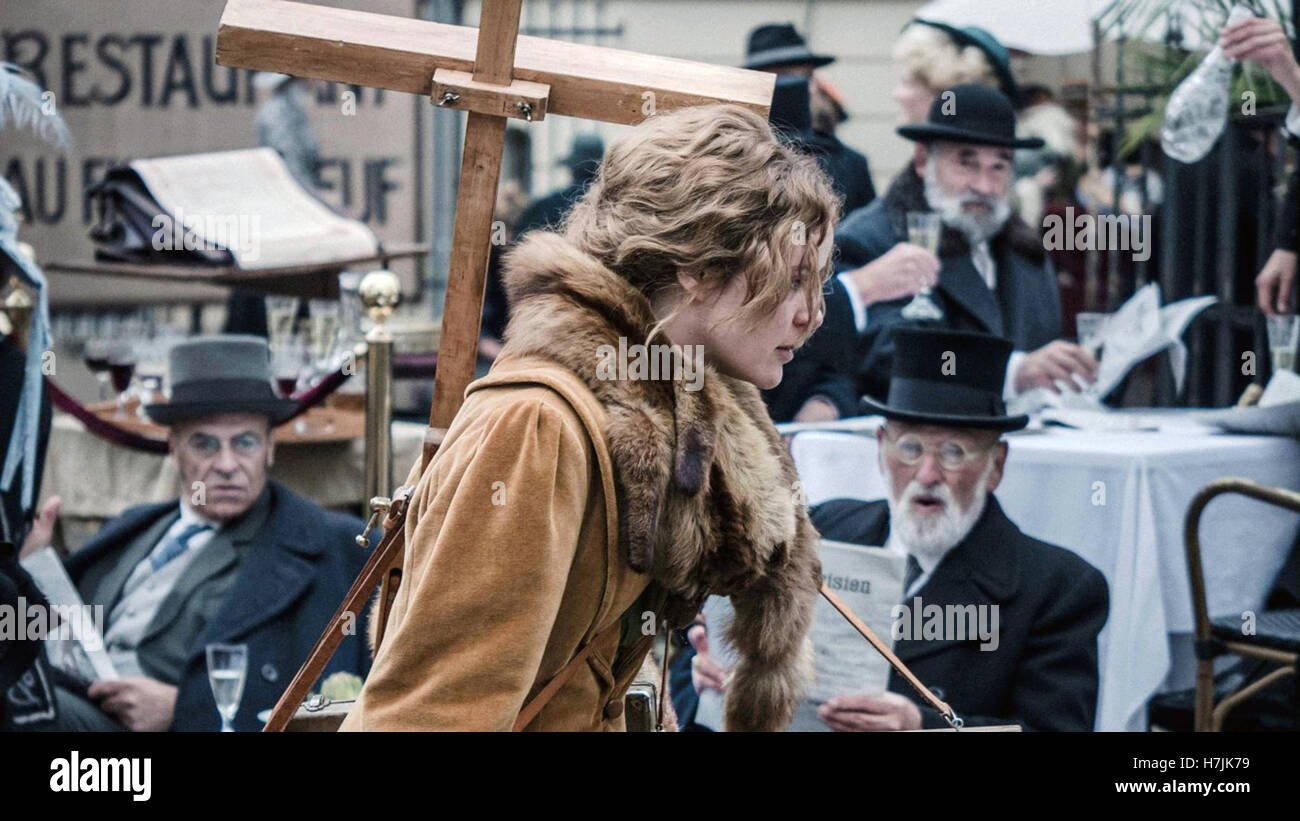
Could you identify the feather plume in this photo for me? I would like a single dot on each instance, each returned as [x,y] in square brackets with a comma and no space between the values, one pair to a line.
[24,105]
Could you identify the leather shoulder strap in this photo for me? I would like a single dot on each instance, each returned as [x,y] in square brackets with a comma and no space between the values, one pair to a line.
[347,614]
[535,705]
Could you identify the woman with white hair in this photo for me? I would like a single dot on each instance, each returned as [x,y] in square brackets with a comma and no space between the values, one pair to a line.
[936,55]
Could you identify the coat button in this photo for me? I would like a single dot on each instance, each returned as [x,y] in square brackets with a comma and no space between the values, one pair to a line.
[269,672]
[614,709]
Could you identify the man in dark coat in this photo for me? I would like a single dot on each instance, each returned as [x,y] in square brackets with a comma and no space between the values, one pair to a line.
[942,455]
[236,560]
[583,162]
[992,273]
[780,49]
[817,384]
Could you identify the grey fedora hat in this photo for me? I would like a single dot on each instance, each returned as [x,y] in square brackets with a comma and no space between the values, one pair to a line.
[221,374]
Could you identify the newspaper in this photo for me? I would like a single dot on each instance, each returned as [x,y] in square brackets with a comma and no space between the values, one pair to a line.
[248,203]
[870,581]
[1277,413]
[1139,330]
[74,642]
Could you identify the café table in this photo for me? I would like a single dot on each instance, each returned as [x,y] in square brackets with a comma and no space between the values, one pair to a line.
[1118,498]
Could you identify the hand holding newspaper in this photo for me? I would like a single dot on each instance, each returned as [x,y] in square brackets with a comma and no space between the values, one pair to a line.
[1140,329]
[74,639]
[870,581]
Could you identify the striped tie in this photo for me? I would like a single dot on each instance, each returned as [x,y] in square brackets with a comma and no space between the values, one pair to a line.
[175,546]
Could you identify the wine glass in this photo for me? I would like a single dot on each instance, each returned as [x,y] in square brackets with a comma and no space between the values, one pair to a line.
[286,367]
[121,367]
[95,354]
[227,667]
[151,370]
[923,228]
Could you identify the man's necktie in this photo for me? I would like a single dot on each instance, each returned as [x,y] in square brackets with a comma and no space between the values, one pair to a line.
[988,269]
[913,573]
[175,546]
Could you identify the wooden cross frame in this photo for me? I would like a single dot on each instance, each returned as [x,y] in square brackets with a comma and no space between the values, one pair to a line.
[494,75]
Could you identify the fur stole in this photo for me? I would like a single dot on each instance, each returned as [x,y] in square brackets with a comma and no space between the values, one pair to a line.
[708,499]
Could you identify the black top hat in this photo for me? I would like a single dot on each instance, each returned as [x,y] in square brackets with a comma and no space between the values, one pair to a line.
[997,54]
[220,374]
[970,113]
[778,44]
[948,378]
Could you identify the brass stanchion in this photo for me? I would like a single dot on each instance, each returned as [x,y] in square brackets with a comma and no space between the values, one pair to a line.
[380,292]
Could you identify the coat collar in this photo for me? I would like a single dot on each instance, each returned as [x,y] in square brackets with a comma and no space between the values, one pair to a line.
[981,570]
[278,567]
[986,555]
[224,549]
[709,457]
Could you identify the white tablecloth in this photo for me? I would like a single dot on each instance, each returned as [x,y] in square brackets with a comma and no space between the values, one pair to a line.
[1053,489]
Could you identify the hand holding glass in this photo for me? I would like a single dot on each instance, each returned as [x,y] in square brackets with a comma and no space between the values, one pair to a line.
[923,228]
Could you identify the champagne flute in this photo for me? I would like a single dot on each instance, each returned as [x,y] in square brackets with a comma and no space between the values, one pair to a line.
[227,667]
[1090,326]
[923,229]
[324,332]
[281,312]
[1283,334]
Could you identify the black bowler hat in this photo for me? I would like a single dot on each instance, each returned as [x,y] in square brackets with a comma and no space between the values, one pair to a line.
[970,113]
[778,44]
[221,374]
[948,378]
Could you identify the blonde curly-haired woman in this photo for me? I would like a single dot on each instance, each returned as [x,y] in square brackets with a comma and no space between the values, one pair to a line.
[617,465]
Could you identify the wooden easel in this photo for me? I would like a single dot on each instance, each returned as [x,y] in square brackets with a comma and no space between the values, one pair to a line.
[491,73]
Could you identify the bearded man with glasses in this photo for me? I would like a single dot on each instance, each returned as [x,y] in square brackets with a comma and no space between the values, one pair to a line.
[942,455]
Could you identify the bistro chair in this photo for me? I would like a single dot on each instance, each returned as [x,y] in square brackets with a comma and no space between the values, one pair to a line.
[1277,632]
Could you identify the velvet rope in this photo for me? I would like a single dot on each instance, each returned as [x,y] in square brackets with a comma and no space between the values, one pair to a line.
[122,437]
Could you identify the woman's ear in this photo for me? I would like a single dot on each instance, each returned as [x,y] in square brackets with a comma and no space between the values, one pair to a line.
[689,281]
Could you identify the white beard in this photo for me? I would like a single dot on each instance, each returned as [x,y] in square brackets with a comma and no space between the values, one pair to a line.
[976,226]
[931,536]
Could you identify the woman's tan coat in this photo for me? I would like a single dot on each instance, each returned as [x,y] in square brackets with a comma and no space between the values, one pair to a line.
[563,502]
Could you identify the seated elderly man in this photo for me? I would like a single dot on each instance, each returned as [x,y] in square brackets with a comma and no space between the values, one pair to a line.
[942,456]
[990,271]
[237,559]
